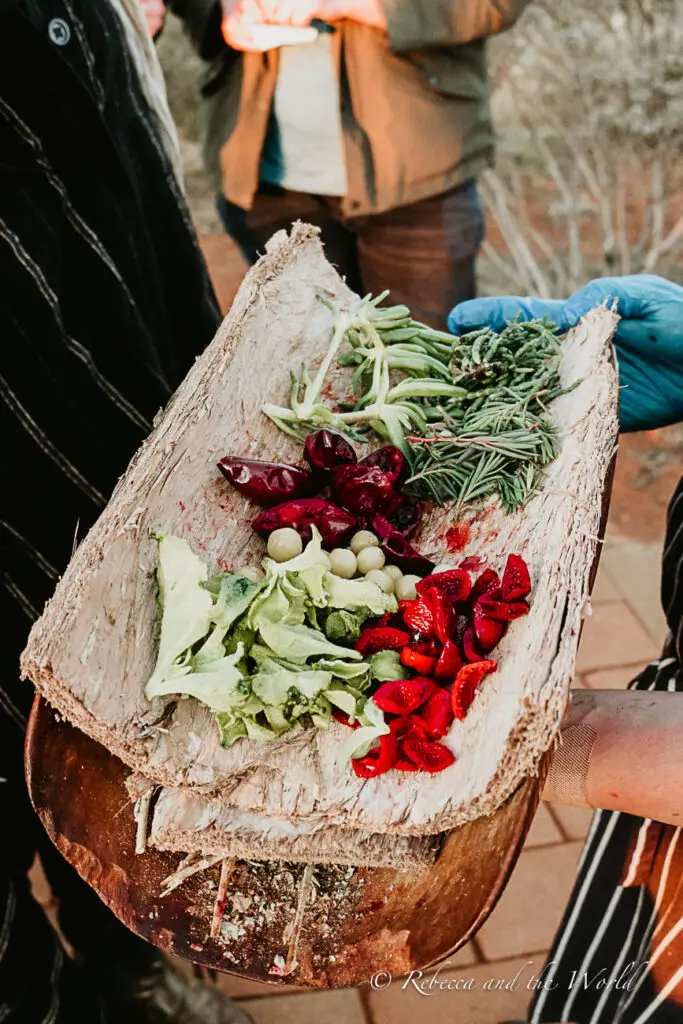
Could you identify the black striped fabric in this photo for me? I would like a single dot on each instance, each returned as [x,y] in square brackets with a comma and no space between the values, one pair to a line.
[618,955]
[104,304]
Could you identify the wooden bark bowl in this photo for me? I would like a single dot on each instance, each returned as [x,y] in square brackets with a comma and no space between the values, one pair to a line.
[328,936]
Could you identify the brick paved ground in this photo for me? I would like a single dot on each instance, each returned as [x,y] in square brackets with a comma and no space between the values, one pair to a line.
[624,632]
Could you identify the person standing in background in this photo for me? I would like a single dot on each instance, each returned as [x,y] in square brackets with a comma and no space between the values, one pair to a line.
[367,118]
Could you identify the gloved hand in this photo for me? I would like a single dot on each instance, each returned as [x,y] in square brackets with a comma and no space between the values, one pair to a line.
[649,338]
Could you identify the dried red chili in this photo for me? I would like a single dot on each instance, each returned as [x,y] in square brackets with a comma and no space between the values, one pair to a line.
[334,523]
[381,638]
[421,663]
[516,580]
[449,663]
[428,755]
[489,631]
[401,553]
[267,483]
[455,584]
[325,449]
[403,513]
[363,489]
[378,760]
[389,459]
[504,611]
[465,685]
[403,696]
[437,713]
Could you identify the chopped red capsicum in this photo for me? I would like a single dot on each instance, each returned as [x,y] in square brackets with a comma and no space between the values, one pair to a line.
[465,685]
[403,696]
[378,760]
[381,638]
[455,584]
[489,631]
[449,663]
[443,614]
[419,617]
[504,611]
[470,646]
[422,663]
[428,755]
[489,580]
[437,713]
[516,580]
[402,727]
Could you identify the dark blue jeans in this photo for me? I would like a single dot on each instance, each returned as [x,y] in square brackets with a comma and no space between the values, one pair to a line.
[425,253]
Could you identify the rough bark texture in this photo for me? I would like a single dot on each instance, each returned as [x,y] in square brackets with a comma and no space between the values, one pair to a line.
[93,649]
[185,821]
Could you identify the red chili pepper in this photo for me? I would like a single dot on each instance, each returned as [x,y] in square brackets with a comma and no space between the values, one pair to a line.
[428,755]
[378,760]
[489,631]
[470,646]
[455,584]
[504,611]
[400,551]
[466,683]
[403,696]
[325,449]
[516,580]
[381,638]
[334,523]
[389,459]
[403,513]
[422,663]
[449,663]
[419,617]
[437,713]
[363,489]
[267,483]
[488,580]
[443,614]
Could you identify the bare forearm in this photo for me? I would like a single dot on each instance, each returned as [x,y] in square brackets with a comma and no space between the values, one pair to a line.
[628,744]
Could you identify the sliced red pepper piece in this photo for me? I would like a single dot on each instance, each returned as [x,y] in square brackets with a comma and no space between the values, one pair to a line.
[443,614]
[504,611]
[428,755]
[431,647]
[403,696]
[421,663]
[341,717]
[466,683]
[489,631]
[378,760]
[516,580]
[437,713]
[455,584]
[470,646]
[488,580]
[449,663]
[381,638]
[401,727]
[419,617]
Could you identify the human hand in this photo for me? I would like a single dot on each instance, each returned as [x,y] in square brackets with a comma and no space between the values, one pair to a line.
[252,25]
[155,13]
[648,341]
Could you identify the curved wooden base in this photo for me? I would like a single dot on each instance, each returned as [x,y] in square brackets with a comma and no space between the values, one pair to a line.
[324,927]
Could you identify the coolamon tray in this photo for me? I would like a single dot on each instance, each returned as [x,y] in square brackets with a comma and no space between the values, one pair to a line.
[344,927]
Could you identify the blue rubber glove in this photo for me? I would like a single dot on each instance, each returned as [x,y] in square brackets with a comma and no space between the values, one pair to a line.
[649,338]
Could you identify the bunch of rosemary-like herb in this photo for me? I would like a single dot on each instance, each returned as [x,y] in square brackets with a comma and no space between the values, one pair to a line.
[496,439]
